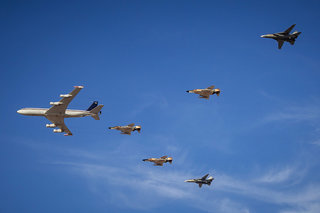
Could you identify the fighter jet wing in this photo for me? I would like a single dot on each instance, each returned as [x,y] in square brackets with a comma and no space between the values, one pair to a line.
[164,157]
[211,87]
[205,177]
[289,29]
[64,102]
[204,96]
[131,125]
[280,43]
[200,184]
[126,131]
[158,163]
[59,122]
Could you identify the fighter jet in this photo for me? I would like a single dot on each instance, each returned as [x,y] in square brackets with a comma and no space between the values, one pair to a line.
[159,161]
[202,180]
[59,111]
[126,130]
[284,36]
[205,93]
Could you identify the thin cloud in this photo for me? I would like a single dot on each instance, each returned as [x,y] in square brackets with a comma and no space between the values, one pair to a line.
[135,186]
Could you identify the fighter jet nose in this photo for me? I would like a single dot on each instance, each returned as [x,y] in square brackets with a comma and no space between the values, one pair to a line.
[262,36]
[187,91]
[19,111]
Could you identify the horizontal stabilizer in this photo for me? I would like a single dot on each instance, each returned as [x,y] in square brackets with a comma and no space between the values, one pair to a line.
[95,112]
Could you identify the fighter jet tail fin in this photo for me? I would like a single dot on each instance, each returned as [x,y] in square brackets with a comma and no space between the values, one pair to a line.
[292,42]
[96,111]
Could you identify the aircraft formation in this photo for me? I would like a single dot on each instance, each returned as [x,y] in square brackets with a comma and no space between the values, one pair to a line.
[58,110]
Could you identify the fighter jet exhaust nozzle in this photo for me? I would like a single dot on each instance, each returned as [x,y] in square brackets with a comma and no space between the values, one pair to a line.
[218,92]
[138,128]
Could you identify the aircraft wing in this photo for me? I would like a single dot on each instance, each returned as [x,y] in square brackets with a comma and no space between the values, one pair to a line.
[289,29]
[204,96]
[126,131]
[280,43]
[59,122]
[200,184]
[211,87]
[205,177]
[64,102]
[158,163]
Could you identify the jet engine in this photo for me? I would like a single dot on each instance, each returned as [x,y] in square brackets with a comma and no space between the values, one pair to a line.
[65,95]
[57,130]
[50,125]
[55,103]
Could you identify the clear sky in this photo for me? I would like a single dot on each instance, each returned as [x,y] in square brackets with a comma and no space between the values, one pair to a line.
[260,139]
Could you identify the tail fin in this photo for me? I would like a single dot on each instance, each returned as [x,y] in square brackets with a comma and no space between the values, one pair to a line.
[93,105]
[292,42]
[95,112]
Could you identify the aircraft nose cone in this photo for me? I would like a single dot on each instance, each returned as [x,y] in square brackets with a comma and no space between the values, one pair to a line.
[19,111]
[187,91]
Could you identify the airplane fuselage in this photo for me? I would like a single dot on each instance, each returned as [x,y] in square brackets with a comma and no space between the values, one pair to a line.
[69,113]
[208,181]
[284,37]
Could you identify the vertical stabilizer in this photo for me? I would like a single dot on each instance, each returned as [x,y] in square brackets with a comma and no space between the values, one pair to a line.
[93,105]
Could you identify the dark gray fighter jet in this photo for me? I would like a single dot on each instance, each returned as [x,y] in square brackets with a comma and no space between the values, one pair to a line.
[284,36]
[202,180]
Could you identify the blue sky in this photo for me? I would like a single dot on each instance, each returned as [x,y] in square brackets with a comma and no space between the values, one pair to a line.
[260,139]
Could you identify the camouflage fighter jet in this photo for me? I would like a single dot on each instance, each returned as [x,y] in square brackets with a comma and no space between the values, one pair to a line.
[202,180]
[205,93]
[284,36]
[126,130]
[159,161]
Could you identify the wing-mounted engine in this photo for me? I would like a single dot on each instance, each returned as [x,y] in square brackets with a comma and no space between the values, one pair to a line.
[51,125]
[57,130]
[55,103]
[65,95]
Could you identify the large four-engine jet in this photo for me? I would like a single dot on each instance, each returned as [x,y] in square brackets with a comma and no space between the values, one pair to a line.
[284,36]
[126,130]
[159,161]
[59,111]
[202,180]
[205,93]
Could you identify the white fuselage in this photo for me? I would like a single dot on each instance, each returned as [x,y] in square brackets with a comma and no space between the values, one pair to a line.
[69,113]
